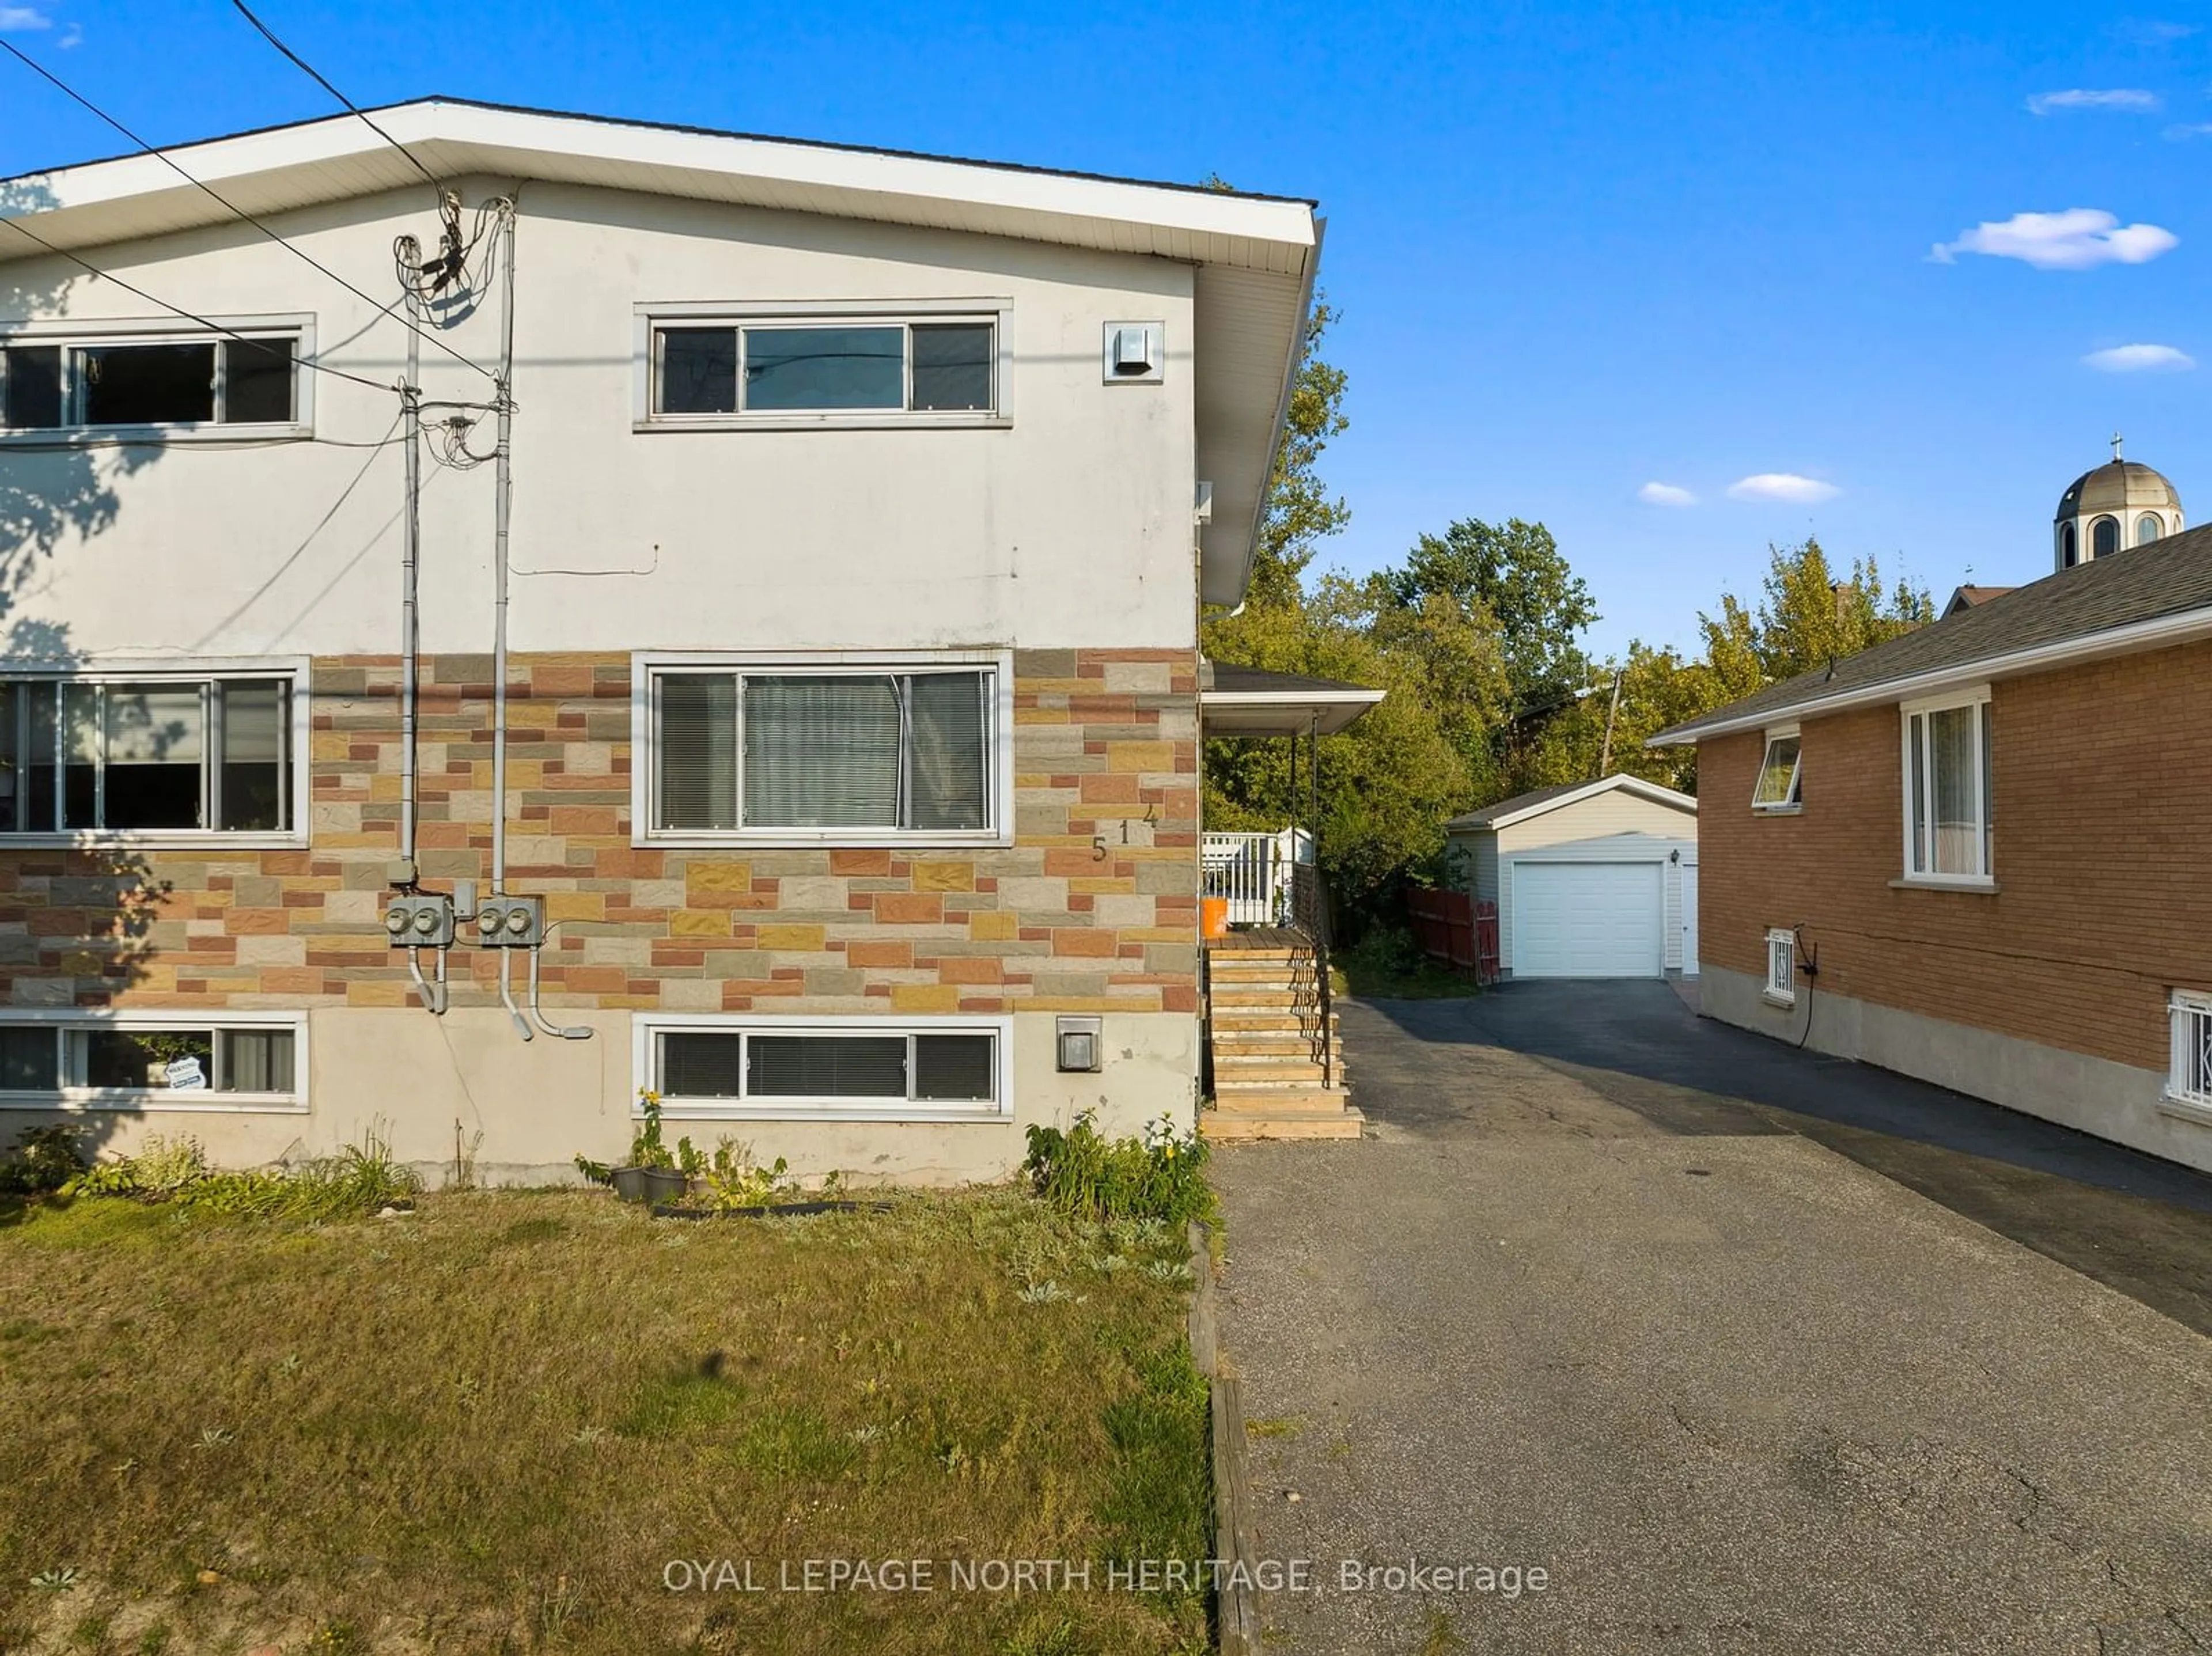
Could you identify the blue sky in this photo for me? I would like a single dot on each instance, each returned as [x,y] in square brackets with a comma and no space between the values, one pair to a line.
[1579,250]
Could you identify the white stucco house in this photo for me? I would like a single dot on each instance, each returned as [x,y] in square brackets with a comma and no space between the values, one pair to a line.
[509,611]
[1591,879]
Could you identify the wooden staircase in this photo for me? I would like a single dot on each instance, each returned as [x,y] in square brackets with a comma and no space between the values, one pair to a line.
[1265,1024]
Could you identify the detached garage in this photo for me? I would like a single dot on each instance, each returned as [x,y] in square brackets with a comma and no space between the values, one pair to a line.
[1591,880]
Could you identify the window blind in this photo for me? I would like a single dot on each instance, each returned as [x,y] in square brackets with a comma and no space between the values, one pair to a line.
[698,751]
[822,751]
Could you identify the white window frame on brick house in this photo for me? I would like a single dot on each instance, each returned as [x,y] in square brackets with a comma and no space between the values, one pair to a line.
[1786,798]
[2189,1064]
[646,1030]
[1920,777]
[650,320]
[75,336]
[76,1098]
[648,669]
[292,672]
[1781,988]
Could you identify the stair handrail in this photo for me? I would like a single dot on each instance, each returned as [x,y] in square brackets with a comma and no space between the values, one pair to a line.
[1310,919]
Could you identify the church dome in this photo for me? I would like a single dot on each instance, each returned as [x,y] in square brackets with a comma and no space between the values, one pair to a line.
[2122,504]
[2116,487]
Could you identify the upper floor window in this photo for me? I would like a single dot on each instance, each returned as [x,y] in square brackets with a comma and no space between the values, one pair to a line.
[1949,825]
[813,366]
[838,754]
[152,755]
[2148,528]
[1777,787]
[86,383]
[2104,537]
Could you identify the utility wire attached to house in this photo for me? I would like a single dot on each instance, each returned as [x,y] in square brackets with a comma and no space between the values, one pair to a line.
[232,208]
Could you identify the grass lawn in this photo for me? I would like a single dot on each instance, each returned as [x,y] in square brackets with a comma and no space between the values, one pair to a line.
[492,1424]
[1424,981]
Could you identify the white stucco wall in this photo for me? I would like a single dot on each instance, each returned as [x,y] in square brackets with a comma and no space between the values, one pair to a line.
[1070,527]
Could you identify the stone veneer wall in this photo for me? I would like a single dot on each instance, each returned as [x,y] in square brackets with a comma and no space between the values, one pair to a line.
[1105,740]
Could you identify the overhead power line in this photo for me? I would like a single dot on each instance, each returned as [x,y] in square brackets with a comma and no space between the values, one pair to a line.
[228,206]
[87,265]
[310,71]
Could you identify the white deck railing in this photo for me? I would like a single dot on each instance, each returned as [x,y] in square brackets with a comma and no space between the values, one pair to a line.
[1252,872]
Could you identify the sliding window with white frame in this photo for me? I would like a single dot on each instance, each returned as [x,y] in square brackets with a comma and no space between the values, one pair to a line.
[717,366]
[153,754]
[220,1060]
[156,379]
[739,1066]
[855,750]
[1950,827]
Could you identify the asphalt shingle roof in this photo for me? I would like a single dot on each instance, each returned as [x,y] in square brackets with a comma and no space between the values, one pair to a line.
[2144,583]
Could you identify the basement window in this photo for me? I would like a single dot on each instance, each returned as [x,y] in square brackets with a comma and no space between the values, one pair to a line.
[1776,789]
[250,1060]
[803,1067]
[134,381]
[822,369]
[1782,968]
[162,755]
[837,756]
[2189,1076]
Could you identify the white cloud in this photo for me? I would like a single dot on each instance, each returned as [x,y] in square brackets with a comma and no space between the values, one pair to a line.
[2152,33]
[1665,494]
[23,17]
[2140,359]
[2131,100]
[2078,239]
[1785,486]
[74,37]
[2190,129]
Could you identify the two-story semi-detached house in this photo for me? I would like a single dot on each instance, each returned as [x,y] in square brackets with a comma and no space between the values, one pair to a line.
[1975,854]
[824,693]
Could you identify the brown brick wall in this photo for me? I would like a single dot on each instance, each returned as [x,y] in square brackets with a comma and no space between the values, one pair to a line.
[1105,747]
[2103,786]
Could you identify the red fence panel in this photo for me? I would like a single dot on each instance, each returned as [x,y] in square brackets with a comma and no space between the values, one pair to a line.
[1454,928]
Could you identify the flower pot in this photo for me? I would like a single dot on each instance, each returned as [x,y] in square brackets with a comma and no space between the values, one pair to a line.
[630,1183]
[665,1185]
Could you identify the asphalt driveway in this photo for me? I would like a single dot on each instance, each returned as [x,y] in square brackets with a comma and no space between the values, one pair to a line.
[1746,1350]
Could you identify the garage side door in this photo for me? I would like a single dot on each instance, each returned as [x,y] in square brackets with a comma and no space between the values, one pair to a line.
[1587,920]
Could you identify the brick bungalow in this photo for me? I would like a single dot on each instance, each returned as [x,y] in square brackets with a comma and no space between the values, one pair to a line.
[1975,854]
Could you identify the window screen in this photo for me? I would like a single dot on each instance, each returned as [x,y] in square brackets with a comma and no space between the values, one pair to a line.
[700,1066]
[952,365]
[698,371]
[147,384]
[34,387]
[949,1069]
[28,1059]
[698,751]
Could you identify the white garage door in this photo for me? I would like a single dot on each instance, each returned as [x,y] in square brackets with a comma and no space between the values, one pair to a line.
[1587,920]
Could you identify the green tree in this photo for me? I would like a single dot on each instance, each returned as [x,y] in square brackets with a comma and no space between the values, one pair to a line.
[1514,574]
[1809,618]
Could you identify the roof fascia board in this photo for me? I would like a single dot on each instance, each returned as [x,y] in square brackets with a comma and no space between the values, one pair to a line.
[2183,626]
[1636,785]
[457,134]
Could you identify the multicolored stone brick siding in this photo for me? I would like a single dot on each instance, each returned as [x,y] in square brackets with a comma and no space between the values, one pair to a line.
[1094,908]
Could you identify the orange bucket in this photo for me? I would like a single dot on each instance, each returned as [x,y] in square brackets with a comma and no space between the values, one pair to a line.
[1212,918]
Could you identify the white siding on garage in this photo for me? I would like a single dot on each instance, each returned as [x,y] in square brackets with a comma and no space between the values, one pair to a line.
[1615,825]
[1602,919]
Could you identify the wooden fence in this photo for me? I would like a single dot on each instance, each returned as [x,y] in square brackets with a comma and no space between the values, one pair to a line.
[1456,930]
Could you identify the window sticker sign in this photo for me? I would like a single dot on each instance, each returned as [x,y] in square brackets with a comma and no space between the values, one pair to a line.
[183,1074]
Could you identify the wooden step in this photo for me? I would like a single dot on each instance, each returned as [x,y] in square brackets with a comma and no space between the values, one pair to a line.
[1221,956]
[1222,1127]
[1272,1000]
[1261,1043]
[1298,1096]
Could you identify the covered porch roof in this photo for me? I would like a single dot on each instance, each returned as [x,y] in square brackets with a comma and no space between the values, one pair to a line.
[1252,701]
